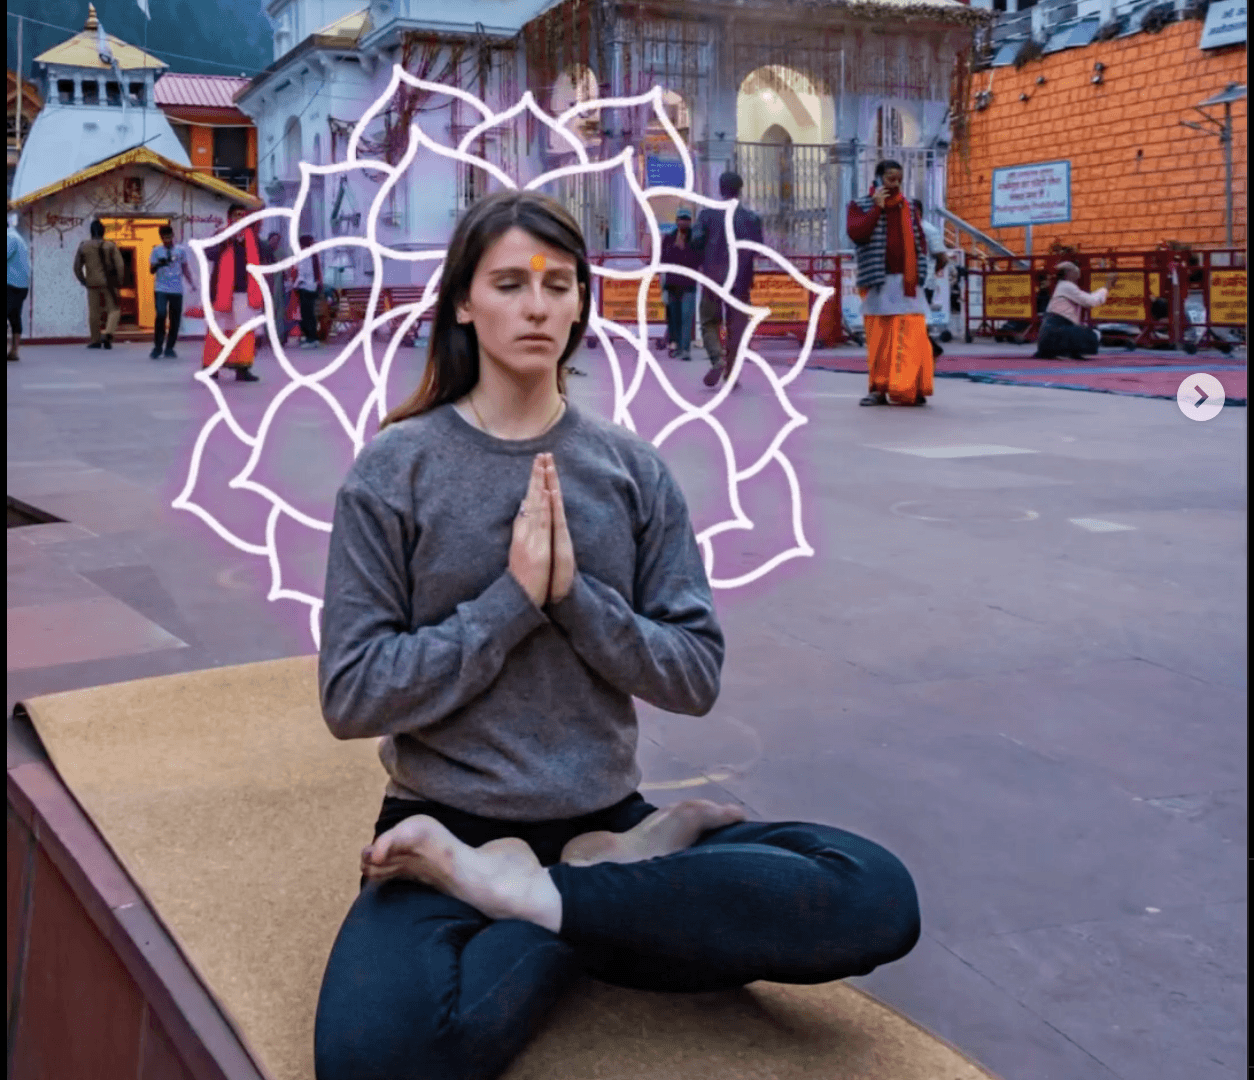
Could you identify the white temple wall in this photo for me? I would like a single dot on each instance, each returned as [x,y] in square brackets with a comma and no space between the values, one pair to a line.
[56,306]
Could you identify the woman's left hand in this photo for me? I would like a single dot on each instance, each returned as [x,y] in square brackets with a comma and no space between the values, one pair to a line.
[563,576]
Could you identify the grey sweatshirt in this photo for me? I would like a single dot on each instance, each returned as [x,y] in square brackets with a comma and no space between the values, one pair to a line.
[485,702]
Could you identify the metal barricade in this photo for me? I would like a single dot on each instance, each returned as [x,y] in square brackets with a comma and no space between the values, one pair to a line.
[1161,299]
[791,304]
[1214,299]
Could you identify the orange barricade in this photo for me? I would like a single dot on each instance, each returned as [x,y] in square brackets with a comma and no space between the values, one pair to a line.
[1150,305]
[791,303]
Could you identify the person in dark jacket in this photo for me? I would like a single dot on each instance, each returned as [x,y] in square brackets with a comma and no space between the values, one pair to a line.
[710,238]
[308,288]
[681,291]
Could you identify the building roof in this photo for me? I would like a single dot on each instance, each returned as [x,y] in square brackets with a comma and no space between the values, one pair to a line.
[32,97]
[206,91]
[496,18]
[82,50]
[67,138]
[141,155]
[350,28]
[953,12]
[344,33]
[506,18]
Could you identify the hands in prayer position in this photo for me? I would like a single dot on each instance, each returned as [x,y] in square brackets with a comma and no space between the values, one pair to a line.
[541,555]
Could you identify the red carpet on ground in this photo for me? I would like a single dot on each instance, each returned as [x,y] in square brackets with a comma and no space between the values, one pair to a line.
[1138,373]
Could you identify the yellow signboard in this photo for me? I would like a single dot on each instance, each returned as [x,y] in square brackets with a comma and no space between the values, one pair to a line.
[789,302]
[1008,296]
[618,300]
[1126,301]
[1227,297]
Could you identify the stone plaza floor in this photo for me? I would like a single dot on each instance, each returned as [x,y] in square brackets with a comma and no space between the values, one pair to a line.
[1017,659]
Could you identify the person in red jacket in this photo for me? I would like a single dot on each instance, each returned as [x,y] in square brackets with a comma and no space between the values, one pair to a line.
[892,257]
[236,296]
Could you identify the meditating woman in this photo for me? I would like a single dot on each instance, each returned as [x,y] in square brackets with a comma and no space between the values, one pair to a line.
[506,573]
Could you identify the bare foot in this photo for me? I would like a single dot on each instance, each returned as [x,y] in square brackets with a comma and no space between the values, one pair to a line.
[663,832]
[503,878]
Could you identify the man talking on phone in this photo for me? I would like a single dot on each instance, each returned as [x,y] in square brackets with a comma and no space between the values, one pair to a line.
[892,264]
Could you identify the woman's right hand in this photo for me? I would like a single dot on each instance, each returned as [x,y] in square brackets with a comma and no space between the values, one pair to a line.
[1110,280]
[531,550]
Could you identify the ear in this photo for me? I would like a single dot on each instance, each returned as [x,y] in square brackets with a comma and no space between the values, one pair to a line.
[463,314]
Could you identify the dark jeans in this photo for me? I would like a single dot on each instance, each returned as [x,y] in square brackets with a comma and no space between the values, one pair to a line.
[420,985]
[680,307]
[17,297]
[173,304]
[308,299]
[1062,337]
[713,314]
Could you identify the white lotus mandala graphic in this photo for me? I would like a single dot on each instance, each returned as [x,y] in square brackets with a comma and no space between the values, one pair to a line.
[284,514]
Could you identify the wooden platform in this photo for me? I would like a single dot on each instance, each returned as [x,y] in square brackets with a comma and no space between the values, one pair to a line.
[171,917]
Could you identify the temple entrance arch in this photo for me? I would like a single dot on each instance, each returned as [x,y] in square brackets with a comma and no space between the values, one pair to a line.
[784,124]
[777,96]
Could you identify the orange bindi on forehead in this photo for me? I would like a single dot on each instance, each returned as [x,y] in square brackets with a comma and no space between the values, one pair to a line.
[537,263]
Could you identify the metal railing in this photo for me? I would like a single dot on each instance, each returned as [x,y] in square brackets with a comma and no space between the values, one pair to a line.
[242,178]
[789,186]
[957,228]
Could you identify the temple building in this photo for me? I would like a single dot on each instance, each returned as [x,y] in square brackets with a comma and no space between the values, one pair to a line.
[93,109]
[101,146]
[802,99]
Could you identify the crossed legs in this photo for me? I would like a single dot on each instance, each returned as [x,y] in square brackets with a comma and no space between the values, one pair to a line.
[423,984]
[503,879]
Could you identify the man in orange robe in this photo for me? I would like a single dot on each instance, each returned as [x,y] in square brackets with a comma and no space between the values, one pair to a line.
[236,297]
[892,252]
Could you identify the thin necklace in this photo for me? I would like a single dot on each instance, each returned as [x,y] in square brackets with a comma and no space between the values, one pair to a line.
[561,402]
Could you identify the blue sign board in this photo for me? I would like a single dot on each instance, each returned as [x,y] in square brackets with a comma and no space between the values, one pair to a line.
[1032,194]
[663,172]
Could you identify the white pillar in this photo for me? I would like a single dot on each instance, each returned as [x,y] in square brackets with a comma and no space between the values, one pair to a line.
[622,212]
[717,144]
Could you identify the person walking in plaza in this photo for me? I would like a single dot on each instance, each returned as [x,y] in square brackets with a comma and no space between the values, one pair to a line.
[506,573]
[891,253]
[710,238]
[18,264]
[681,292]
[236,296]
[1063,332]
[99,268]
[281,286]
[308,289]
[168,263]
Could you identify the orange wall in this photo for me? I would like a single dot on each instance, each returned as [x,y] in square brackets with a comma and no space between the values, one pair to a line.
[1137,176]
[202,148]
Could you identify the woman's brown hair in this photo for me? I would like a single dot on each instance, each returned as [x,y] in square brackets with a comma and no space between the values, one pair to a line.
[453,353]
